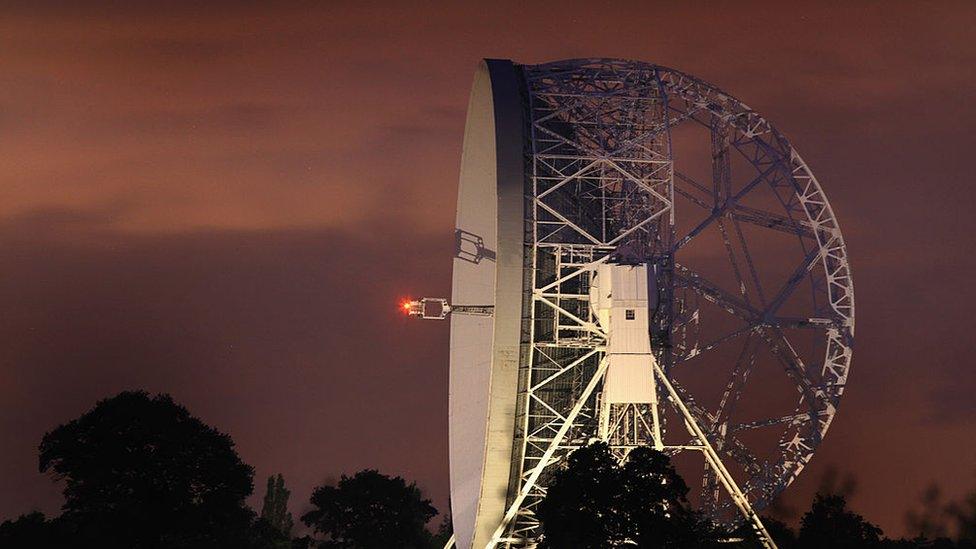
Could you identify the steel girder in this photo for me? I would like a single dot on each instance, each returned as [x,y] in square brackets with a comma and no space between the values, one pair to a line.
[601,185]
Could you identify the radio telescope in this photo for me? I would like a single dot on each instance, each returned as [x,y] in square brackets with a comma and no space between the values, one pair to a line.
[641,259]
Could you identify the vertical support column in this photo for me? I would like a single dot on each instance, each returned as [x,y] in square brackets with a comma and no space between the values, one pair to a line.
[604,433]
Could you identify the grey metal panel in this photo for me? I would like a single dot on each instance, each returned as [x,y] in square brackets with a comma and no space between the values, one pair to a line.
[487,271]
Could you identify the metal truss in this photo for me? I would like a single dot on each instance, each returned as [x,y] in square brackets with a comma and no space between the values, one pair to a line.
[437,308]
[601,185]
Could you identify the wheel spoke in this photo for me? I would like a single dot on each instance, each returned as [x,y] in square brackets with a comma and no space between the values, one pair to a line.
[811,322]
[737,380]
[798,275]
[679,176]
[770,220]
[715,343]
[732,260]
[721,209]
[690,196]
[781,348]
[749,262]
[791,419]
[715,294]
[721,162]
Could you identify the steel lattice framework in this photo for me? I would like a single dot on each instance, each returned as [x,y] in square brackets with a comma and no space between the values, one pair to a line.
[602,184]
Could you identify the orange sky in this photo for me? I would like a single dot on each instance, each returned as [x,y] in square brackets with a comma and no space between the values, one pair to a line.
[225,202]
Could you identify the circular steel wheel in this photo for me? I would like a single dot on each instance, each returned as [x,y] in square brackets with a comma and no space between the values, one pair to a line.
[755,321]
[800,317]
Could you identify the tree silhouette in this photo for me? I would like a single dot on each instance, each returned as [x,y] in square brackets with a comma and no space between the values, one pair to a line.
[274,511]
[782,534]
[582,503]
[30,530]
[141,472]
[444,531]
[829,523]
[594,502]
[370,511]
[655,503]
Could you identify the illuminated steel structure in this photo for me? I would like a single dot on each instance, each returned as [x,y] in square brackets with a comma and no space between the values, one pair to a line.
[615,293]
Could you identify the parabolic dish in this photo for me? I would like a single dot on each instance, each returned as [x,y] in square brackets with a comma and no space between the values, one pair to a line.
[487,271]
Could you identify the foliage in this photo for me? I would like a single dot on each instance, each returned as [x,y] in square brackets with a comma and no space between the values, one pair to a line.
[782,534]
[829,523]
[444,532]
[594,502]
[143,472]
[274,511]
[581,506]
[30,530]
[140,471]
[370,511]
[655,504]
[265,536]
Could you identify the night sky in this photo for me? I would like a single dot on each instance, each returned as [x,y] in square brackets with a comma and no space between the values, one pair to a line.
[225,203]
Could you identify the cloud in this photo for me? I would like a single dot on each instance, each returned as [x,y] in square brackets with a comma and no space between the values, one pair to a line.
[288,340]
[222,203]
